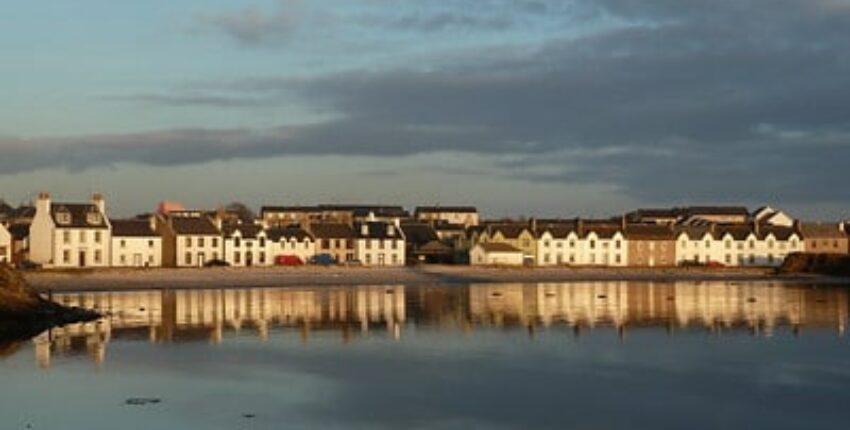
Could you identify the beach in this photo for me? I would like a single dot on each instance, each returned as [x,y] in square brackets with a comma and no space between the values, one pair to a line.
[228,277]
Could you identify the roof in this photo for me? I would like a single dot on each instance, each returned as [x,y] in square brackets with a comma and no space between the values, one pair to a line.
[693,232]
[331,230]
[442,209]
[131,228]
[247,231]
[396,212]
[5,208]
[434,247]
[265,209]
[378,230]
[779,232]
[558,231]
[820,230]
[716,210]
[19,231]
[199,226]
[509,231]
[648,232]
[497,247]
[419,233]
[79,215]
[737,231]
[287,233]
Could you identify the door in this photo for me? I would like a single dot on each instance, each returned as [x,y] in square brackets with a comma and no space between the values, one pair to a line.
[82,258]
[201,259]
[381,259]
[137,260]
[249,259]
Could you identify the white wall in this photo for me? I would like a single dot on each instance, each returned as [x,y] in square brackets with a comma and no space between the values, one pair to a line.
[212,249]
[479,257]
[259,250]
[76,243]
[305,250]
[371,253]
[5,245]
[137,251]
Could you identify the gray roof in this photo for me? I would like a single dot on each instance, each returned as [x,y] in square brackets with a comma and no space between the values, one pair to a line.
[818,230]
[197,226]
[331,230]
[450,209]
[247,231]
[287,233]
[79,215]
[378,230]
[131,228]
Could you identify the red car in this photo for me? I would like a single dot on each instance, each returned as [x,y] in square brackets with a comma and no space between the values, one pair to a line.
[288,260]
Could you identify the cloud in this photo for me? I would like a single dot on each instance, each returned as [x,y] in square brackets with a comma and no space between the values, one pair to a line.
[682,102]
[251,25]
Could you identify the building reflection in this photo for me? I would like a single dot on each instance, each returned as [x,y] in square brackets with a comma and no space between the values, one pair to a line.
[208,315]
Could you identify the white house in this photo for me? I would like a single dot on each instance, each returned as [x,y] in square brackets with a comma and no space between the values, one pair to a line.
[5,245]
[246,245]
[135,243]
[70,235]
[770,216]
[291,241]
[379,243]
[189,239]
[737,245]
[495,254]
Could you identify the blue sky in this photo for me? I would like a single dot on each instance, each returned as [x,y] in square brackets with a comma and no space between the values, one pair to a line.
[558,107]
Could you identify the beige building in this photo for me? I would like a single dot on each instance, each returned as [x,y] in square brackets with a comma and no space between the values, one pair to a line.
[495,254]
[189,239]
[517,235]
[5,245]
[135,243]
[650,245]
[291,241]
[70,235]
[823,238]
[466,216]
[334,239]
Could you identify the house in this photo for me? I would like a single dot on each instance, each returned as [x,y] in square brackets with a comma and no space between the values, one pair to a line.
[496,253]
[70,235]
[292,241]
[20,242]
[189,239]
[823,238]
[281,216]
[604,244]
[715,214]
[334,239]
[424,244]
[650,245]
[135,243]
[379,243]
[558,244]
[466,216]
[5,244]
[755,244]
[695,244]
[767,215]
[516,234]
[246,245]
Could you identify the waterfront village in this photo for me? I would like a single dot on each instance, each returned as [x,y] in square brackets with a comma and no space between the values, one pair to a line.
[56,235]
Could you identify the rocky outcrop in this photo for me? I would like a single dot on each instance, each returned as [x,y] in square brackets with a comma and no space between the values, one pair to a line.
[24,314]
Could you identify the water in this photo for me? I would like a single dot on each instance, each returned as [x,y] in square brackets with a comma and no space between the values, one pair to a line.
[563,355]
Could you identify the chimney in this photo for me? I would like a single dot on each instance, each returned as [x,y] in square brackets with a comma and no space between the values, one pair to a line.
[43,203]
[364,230]
[152,222]
[97,200]
[533,225]
[842,227]
[579,226]
[390,230]
[756,228]
[623,223]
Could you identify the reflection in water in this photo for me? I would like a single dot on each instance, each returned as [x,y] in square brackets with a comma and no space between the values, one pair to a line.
[192,315]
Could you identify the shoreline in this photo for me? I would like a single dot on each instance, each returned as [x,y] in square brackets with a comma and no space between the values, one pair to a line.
[310,276]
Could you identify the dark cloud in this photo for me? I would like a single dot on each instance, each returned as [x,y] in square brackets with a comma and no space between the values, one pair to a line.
[706,99]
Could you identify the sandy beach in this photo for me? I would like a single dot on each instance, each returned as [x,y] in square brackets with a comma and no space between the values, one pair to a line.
[132,279]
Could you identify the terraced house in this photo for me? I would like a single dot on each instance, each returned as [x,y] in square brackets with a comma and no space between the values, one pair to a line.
[189,239]
[246,245]
[823,238]
[291,242]
[650,245]
[70,235]
[379,243]
[135,243]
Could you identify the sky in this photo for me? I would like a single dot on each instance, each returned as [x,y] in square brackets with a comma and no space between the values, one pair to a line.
[521,107]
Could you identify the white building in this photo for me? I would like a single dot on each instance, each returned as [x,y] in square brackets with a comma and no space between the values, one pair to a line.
[70,235]
[135,243]
[737,245]
[291,242]
[189,239]
[495,254]
[5,245]
[246,245]
[379,243]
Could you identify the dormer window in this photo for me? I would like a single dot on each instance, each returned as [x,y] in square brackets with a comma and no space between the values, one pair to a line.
[63,217]
[93,218]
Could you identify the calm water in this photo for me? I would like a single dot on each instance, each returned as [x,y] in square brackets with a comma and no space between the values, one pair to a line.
[571,355]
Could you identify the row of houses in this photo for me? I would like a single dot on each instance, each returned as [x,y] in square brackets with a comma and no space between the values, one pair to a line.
[625,242]
[74,235]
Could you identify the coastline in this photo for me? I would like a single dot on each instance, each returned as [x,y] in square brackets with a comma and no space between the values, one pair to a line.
[311,276]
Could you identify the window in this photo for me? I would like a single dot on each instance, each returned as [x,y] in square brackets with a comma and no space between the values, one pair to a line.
[326,243]
[707,244]
[93,218]
[150,244]
[249,244]
[262,242]
[546,244]
[617,258]
[728,259]
[572,244]
[684,244]
[200,242]
[770,244]
[123,243]
[188,258]
[525,243]
[752,259]
[559,245]
[592,244]
[307,244]
[546,258]
[395,259]
[752,244]
[66,237]
[215,242]
[236,242]
[66,256]
[368,258]
[336,243]
[381,244]
[82,237]
[237,257]
[368,244]
[728,244]
[617,244]
[97,256]
[188,242]
[262,258]
[97,237]
[572,258]
[123,259]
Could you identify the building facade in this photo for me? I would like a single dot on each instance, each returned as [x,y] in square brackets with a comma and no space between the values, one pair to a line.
[650,245]
[70,235]
[135,243]
[379,243]
[5,245]
[823,238]
[495,254]
[291,242]
[189,239]
[246,245]
[334,239]
[466,216]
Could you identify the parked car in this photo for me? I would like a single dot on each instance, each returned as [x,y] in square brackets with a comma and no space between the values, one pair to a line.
[28,265]
[216,263]
[323,260]
[288,260]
